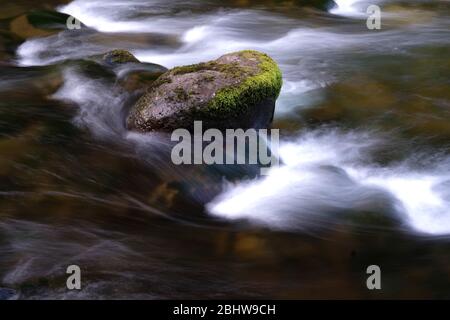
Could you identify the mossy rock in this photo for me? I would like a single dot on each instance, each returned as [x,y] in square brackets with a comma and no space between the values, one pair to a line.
[238,90]
[132,75]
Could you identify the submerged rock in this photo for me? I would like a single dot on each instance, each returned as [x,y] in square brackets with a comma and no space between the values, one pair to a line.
[238,90]
[48,19]
[93,69]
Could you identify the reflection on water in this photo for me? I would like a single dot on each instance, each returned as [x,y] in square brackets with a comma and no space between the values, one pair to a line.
[364,119]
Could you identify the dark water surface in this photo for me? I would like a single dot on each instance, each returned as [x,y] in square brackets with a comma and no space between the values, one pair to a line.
[364,118]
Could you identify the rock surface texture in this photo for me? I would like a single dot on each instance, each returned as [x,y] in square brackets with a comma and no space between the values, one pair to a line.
[238,90]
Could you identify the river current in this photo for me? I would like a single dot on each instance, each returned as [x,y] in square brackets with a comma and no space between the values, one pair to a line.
[364,119]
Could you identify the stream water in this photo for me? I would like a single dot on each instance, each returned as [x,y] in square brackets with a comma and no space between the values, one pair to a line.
[364,119]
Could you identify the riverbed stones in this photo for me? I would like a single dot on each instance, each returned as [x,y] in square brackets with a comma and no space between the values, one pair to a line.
[237,90]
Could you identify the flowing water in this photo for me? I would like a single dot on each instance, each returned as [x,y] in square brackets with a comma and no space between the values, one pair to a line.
[364,118]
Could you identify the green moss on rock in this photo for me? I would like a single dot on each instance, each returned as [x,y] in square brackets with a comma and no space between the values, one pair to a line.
[181,94]
[265,83]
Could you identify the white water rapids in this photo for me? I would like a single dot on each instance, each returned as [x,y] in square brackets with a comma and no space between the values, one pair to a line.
[325,173]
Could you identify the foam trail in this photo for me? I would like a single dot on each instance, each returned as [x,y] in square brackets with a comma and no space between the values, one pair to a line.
[326,179]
